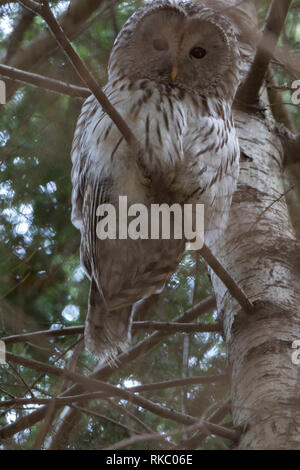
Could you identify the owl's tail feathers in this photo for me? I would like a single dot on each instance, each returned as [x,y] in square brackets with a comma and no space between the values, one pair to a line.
[107,333]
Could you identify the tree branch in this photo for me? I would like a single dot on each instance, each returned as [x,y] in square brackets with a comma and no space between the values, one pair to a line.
[205,426]
[164,327]
[94,414]
[68,400]
[44,82]
[173,327]
[103,372]
[62,401]
[227,280]
[22,337]
[124,410]
[215,417]
[51,410]
[248,94]
[21,25]
[44,10]
[93,384]
[34,6]
[73,21]
[180,383]
[280,112]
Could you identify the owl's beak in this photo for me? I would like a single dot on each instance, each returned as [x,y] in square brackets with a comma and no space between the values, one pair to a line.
[174,73]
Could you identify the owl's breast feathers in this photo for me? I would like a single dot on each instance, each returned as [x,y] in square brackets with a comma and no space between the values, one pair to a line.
[189,134]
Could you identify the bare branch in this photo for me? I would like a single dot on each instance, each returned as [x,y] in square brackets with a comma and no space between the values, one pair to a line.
[22,380]
[164,327]
[46,13]
[62,401]
[280,112]
[94,414]
[180,383]
[22,337]
[32,5]
[103,372]
[203,425]
[94,395]
[249,91]
[51,410]
[93,384]
[227,280]
[44,82]
[173,327]
[124,409]
[199,436]
[21,25]
[73,21]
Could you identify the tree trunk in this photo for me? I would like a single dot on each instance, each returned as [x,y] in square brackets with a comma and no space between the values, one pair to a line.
[262,254]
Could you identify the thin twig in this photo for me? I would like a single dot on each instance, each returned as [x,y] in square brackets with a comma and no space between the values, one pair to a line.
[24,337]
[128,413]
[21,25]
[44,10]
[95,395]
[180,383]
[199,436]
[280,113]
[93,384]
[94,414]
[105,371]
[44,82]
[227,279]
[22,380]
[173,327]
[62,401]
[203,425]
[51,410]
[249,91]
[164,327]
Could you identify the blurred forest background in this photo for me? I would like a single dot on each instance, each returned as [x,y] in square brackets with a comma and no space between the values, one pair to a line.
[42,285]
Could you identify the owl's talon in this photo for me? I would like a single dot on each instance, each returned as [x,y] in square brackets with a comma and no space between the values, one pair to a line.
[175,187]
[145,181]
[171,177]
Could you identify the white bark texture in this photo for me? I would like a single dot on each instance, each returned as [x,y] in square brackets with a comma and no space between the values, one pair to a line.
[261,252]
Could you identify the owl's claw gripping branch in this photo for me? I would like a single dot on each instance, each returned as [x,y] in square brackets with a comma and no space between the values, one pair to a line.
[145,181]
[171,177]
[175,187]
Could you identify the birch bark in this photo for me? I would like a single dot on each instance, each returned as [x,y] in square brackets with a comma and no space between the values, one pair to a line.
[261,252]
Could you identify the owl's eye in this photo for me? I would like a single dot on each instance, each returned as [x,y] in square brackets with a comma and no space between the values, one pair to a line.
[160,44]
[198,52]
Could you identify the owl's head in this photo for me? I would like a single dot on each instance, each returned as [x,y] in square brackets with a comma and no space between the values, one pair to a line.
[182,43]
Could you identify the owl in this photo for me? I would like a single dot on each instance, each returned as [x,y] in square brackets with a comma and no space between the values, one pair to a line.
[173,73]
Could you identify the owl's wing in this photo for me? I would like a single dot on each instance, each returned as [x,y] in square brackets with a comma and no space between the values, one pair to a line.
[90,186]
[105,333]
[97,191]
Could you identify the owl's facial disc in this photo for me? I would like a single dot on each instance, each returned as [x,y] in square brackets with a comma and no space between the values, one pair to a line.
[188,52]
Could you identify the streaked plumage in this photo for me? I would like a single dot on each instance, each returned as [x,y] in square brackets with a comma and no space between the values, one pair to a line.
[184,127]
